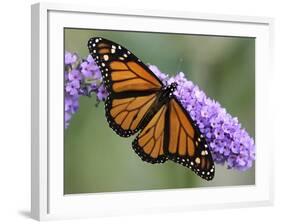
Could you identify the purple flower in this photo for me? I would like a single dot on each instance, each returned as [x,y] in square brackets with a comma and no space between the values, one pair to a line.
[74,75]
[72,87]
[89,68]
[82,78]
[205,111]
[70,58]
[102,93]
[71,105]
[219,134]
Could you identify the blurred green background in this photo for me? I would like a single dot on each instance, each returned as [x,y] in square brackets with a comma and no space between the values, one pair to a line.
[97,160]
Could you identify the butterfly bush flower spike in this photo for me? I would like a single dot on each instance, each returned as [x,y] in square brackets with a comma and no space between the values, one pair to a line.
[229,143]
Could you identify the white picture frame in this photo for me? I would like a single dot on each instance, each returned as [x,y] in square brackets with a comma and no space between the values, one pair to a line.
[48,201]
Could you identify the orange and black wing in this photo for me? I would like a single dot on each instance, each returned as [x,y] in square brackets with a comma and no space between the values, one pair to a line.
[132,87]
[184,142]
[149,144]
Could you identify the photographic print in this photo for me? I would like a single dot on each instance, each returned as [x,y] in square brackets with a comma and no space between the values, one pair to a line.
[154,111]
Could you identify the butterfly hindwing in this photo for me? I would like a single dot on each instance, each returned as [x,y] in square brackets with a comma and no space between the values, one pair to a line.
[186,145]
[149,144]
[126,115]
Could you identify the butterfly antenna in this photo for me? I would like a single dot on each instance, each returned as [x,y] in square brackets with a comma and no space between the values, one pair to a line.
[179,67]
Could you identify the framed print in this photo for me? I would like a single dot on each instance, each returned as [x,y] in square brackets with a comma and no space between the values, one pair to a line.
[141,111]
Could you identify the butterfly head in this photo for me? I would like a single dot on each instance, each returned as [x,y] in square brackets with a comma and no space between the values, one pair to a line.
[167,92]
[173,87]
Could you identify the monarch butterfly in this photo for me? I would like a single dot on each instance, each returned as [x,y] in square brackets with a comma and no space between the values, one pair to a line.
[139,102]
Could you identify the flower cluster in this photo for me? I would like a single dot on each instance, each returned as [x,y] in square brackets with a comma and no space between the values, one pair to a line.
[229,143]
[81,78]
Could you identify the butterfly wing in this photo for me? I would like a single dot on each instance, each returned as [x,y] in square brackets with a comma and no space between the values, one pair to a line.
[149,144]
[186,144]
[132,87]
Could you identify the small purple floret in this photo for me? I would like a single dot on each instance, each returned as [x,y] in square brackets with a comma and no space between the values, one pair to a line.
[70,58]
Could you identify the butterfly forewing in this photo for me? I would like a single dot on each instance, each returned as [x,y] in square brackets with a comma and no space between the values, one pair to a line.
[132,87]
[122,71]
[186,144]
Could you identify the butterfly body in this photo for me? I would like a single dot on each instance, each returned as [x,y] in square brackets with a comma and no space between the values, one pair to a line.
[138,102]
[166,93]
[162,98]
